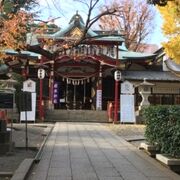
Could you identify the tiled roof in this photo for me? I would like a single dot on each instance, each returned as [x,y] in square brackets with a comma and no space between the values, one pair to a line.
[62,33]
[123,55]
[150,75]
[23,53]
[114,38]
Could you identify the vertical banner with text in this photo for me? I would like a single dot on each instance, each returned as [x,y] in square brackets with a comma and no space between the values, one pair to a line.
[99,100]
[56,93]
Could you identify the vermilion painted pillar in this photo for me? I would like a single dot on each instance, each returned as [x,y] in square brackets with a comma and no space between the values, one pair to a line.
[41,104]
[41,114]
[116,97]
[116,101]
[24,71]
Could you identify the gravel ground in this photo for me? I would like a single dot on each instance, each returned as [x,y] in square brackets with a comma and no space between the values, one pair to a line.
[132,133]
[36,135]
[125,130]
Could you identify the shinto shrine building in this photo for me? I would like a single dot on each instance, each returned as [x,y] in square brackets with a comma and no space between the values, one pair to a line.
[82,77]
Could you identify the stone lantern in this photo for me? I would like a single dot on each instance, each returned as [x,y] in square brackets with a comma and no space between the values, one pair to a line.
[7,88]
[145,91]
[7,105]
[8,85]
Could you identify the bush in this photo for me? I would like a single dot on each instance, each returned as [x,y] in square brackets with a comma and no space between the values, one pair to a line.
[163,128]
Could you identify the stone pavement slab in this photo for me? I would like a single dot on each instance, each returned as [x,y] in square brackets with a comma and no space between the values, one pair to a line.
[90,151]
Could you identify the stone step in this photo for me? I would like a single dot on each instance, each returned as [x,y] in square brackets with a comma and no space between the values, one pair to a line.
[76,115]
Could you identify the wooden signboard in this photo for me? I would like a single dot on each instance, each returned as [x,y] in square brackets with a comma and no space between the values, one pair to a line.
[6,101]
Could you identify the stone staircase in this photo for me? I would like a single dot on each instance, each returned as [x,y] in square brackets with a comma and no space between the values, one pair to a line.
[76,116]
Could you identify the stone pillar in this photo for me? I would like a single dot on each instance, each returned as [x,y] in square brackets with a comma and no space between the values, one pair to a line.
[145,101]
[144,91]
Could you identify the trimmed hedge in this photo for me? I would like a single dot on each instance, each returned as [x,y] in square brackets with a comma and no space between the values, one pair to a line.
[163,128]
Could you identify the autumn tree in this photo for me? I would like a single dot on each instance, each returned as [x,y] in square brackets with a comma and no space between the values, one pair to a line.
[90,6]
[135,21]
[17,20]
[171,29]
[13,23]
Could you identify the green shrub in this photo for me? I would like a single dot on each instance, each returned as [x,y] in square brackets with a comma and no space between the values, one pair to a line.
[163,128]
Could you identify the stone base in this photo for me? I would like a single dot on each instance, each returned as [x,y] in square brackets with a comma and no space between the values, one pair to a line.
[139,119]
[2,126]
[6,148]
[172,163]
[149,149]
[4,137]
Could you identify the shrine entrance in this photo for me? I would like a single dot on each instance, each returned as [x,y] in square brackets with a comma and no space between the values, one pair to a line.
[74,94]
[76,82]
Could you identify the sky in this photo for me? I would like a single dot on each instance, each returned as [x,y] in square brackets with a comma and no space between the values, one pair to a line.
[63,10]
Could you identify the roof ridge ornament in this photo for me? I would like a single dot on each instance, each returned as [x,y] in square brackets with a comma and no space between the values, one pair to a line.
[76,19]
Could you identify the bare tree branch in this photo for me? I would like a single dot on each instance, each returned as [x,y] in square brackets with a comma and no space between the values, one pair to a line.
[90,21]
[135,20]
[68,44]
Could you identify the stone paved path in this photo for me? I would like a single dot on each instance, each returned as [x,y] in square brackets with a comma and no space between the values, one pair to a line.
[90,151]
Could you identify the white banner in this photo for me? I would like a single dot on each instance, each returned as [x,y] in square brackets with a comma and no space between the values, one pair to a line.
[127,110]
[99,100]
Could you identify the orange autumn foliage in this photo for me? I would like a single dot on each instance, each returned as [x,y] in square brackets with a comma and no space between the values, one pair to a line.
[13,29]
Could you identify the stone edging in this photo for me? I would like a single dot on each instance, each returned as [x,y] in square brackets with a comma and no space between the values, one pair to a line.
[23,169]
